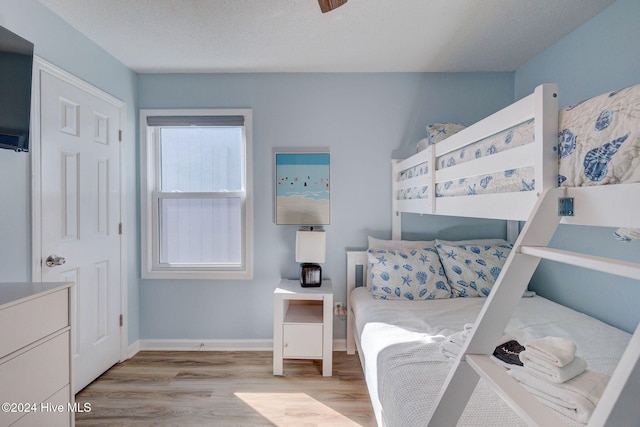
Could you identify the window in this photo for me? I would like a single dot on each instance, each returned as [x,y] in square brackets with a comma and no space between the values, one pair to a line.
[196,189]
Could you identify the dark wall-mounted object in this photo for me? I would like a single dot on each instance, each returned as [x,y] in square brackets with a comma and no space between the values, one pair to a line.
[16,69]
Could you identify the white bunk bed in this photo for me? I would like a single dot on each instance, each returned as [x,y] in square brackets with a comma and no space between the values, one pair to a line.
[541,155]
[544,208]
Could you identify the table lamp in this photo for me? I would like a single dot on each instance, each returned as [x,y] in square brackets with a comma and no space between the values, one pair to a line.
[310,251]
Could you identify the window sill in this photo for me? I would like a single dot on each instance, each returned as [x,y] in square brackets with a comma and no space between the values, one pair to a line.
[198,275]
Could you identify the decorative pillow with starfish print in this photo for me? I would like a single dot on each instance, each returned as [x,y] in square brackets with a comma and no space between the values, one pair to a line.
[472,270]
[407,273]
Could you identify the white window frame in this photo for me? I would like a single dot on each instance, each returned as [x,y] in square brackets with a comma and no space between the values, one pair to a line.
[150,174]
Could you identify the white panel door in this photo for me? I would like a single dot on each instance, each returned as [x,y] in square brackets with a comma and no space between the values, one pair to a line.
[80,204]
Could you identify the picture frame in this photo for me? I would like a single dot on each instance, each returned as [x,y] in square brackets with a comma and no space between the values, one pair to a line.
[302,188]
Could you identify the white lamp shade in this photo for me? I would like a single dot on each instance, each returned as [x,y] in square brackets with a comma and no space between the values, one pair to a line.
[311,246]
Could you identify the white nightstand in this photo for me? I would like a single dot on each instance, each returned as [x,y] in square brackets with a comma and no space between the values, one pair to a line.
[303,324]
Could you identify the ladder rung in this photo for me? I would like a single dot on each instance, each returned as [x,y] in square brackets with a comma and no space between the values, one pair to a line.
[606,265]
[520,400]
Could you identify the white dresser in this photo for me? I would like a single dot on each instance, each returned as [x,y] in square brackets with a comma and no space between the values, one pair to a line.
[35,355]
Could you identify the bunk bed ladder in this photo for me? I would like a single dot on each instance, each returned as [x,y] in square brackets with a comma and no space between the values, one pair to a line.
[474,361]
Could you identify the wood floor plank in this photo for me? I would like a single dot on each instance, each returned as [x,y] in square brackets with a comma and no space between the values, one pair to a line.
[158,388]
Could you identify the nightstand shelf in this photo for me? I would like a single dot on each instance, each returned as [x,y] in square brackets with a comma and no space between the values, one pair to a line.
[303,324]
[298,313]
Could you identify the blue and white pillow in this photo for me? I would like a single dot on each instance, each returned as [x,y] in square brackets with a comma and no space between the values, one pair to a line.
[472,270]
[439,131]
[409,274]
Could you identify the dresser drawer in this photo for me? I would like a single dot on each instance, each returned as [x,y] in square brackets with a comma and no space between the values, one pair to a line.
[32,320]
[35,375]
[50,415]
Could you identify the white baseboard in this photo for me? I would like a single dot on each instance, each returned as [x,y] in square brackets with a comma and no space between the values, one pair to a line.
[206,345]
[133,349]
[213,345]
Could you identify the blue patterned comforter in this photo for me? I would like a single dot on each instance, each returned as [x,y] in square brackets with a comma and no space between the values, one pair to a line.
[520,179]
[599,140]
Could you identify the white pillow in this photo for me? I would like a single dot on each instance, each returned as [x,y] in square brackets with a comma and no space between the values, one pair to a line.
[411,274]
[399,244]
[472,269]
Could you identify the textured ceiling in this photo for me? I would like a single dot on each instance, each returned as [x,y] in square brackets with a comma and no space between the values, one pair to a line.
[294,36]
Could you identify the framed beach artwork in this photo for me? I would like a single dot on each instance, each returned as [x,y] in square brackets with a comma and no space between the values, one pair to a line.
[302,189]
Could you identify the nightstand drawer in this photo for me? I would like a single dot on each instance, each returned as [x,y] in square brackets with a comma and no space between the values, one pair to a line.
[302,340]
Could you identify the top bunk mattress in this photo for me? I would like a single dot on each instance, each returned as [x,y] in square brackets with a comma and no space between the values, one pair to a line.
[598,144]
[516,179]
[400,343]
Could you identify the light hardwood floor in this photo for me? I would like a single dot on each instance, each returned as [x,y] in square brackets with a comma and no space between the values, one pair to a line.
[227,389]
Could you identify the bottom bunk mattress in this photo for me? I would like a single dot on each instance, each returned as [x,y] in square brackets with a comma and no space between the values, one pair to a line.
[405,368]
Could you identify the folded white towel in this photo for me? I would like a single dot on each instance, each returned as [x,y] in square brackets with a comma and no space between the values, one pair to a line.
[550,372]
[458,338]
[452,345]
[467,328]
[554,350]
[576,398]
[450,350]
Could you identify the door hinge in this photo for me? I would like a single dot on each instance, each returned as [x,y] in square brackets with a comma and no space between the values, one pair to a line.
[120,228]
[121,320]
[120,135]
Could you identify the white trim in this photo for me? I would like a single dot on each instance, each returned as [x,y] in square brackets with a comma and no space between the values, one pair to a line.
[39,66]
[206,345]
[36,187]
[339,344]
[150,268]
[133,349]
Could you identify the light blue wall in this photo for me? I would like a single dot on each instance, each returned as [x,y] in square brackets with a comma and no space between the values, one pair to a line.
[61,45]
[599,56]
[364,120]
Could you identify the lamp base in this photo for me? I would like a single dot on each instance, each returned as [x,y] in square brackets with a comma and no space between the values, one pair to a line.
[310,275]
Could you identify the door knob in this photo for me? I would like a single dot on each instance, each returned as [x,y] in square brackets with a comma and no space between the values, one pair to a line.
[53,260]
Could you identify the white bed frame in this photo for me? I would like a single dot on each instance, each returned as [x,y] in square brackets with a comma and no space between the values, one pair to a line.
[356,263]
[608,205]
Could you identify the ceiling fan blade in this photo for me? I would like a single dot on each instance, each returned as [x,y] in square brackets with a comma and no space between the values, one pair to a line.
[329,5]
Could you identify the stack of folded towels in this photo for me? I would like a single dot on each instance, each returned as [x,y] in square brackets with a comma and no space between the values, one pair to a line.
[558,378]
[452,344]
